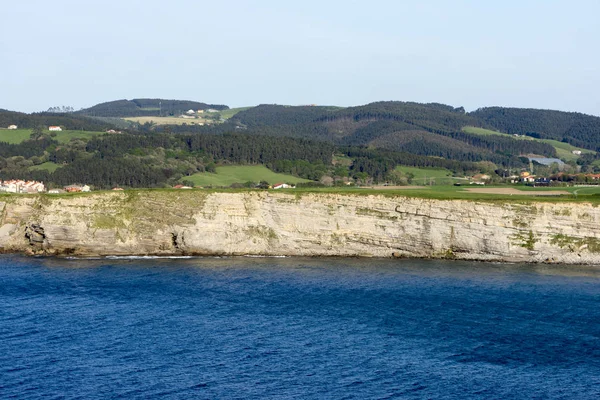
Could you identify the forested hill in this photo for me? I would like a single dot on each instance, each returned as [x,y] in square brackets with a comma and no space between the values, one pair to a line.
[275,115]
[68,121]
[147,108]
[575,128]
[425,129]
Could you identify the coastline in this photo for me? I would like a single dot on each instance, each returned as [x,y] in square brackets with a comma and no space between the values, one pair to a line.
[270,224]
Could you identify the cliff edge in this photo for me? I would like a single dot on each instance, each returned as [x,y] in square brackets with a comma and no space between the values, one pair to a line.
[319,224]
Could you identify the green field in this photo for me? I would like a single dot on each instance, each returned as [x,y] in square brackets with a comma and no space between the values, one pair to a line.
[426,176]
[227,175]
[14,136]
[66,136]
[18,135]
[48,166]
[226,114]
[563,150]
[168,120]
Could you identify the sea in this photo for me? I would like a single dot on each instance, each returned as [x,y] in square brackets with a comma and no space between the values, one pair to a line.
[297,328]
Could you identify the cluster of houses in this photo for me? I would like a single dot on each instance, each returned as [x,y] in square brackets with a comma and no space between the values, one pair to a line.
[19,186]
[198,112]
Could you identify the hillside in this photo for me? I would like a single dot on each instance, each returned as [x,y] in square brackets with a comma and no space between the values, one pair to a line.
[303,142]
[425,129]
[578,129]
[563,150]
[68,121]
[147,108]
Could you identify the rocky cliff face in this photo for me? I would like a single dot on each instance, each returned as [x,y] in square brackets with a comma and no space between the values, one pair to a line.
[275,223]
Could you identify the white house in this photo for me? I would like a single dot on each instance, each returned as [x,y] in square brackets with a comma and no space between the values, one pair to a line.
[281,186]
[12,127]
[55,128]
[190,112]
[577,152]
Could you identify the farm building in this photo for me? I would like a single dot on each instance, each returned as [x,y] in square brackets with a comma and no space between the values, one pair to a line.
[77,188]
[12,127]
[281,186]
[55,128]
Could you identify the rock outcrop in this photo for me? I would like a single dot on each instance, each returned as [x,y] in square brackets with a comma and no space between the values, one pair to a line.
[275,223]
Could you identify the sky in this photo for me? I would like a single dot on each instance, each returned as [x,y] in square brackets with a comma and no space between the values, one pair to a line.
[526,53]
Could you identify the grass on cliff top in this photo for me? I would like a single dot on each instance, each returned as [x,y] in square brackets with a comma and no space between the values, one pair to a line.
[442,192]
[227,175]
[583,194]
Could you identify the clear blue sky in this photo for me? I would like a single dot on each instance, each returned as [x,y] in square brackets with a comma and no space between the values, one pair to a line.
[540,54]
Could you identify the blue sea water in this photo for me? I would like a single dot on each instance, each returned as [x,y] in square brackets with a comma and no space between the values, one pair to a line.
[297,329]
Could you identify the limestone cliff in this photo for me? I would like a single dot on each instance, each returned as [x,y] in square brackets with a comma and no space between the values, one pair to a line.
[275,223]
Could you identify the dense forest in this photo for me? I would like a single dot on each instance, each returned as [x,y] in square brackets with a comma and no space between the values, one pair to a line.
[146,108]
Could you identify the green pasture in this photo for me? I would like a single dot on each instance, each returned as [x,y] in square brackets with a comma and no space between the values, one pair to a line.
[19,135]
[48,166]
[14,136]
[426,176]
[66,136]
[227,175]
[481,131]
[226,114]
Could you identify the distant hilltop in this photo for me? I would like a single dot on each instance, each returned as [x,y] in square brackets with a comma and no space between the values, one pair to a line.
[147,108]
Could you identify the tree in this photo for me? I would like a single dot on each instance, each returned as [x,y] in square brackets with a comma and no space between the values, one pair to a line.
[37,133]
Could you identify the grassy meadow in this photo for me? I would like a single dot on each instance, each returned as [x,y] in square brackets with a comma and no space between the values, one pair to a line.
[229,174]
[426,176]
[226,114]
[48,166]
[14,136]
[168,120]
[19,135]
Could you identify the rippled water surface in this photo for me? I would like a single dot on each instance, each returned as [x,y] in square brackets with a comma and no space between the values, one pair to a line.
[297,328]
